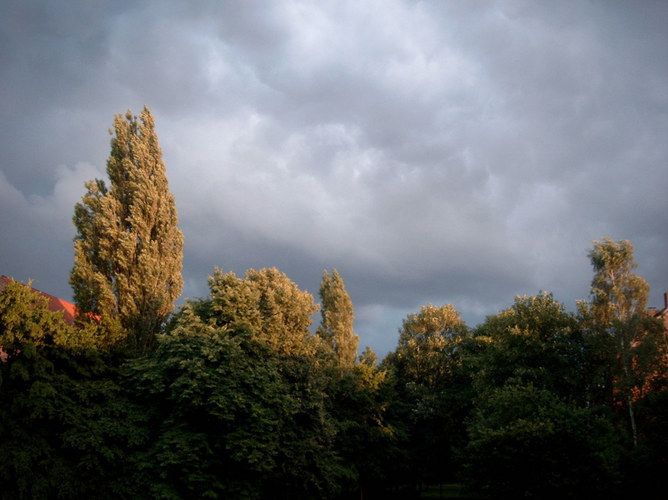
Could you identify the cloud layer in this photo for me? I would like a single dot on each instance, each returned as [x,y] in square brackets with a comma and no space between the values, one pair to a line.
[431,152]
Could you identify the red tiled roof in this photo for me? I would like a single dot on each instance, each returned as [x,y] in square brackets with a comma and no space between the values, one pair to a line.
[55,304]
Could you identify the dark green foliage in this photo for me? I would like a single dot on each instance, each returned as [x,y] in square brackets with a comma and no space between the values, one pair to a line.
[239,399]
[536,342]
[646,467]
[231,415]
[216,406]
[308,465]
[64,437]
[525,442]
[433,393]
[365,440]
[530,406]
[65,425]
[546,422]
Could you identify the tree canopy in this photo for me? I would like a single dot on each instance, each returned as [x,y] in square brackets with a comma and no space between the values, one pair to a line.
[267,302]
[432,390]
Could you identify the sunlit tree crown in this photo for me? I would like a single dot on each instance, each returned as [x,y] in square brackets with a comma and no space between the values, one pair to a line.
[128,247]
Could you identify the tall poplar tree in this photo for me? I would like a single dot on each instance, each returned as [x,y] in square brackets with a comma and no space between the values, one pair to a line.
[128,247]
[336,326]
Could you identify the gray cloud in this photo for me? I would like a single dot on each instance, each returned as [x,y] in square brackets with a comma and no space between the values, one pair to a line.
[432,152]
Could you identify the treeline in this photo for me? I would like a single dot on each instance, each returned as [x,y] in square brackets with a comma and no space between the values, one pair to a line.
[232,396]
[238,400]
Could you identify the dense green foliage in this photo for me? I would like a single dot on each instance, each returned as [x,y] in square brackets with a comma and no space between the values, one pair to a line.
[527,442]
[66,427]
[239,400]
[215,405]
[433,392]
[533,431]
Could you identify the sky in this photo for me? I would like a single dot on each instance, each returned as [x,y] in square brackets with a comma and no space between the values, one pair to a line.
[431,152]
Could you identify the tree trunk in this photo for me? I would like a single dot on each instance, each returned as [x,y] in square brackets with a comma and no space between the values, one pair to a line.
[632,417]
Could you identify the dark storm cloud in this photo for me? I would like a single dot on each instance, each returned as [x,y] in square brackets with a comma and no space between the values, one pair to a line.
[432,152]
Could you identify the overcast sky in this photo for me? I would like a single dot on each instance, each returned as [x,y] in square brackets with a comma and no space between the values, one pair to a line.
[433,152]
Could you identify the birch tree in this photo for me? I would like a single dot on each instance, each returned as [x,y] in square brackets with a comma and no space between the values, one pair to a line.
[619,299]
